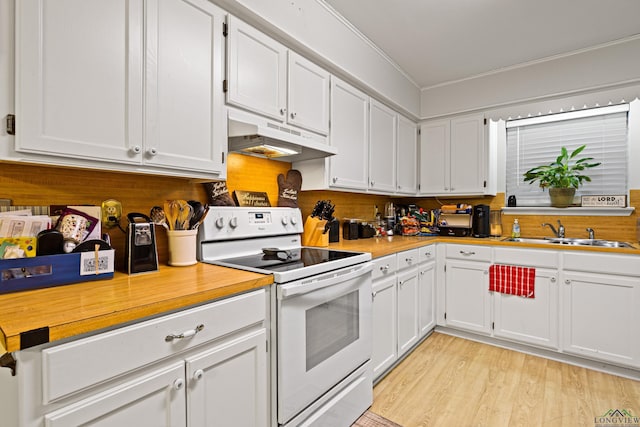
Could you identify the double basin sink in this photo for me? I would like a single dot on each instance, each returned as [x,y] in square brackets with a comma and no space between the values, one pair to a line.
[568,241]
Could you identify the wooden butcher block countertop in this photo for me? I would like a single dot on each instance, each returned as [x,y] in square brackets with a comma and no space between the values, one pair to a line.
[74,309]
[70,310]
[381,246]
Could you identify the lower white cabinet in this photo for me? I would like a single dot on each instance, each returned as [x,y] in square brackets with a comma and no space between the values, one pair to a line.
[205,366]
[403,304]
[427,278]
[600,315]
[467,296]
[408,328]
[530,320]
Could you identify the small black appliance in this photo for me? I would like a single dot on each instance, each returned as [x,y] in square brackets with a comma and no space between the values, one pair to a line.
[141,253]
[481,221]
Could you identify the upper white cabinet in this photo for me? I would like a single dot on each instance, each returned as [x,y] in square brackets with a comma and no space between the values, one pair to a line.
[350,135]
[308,95]
[382,147]
[121,83]
[263,76]
[407,157]
[453,156]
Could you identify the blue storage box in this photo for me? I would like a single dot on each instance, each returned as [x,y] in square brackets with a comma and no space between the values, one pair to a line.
[22,274]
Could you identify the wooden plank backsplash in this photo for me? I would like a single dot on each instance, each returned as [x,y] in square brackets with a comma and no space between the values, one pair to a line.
[44,185]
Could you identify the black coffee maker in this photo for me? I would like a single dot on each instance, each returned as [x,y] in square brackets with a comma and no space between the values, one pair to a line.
[480,222]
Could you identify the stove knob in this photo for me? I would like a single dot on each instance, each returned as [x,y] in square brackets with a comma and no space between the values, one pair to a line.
[233,222]
[294,221]
[285,220]
[220,223]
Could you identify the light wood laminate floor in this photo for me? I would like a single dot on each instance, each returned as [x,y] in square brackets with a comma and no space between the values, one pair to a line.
[450,381]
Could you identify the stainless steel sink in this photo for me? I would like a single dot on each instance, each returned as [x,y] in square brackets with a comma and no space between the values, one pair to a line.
[569,241]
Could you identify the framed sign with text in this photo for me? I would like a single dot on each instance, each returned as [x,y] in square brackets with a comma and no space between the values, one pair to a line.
[604,201]
[251,198]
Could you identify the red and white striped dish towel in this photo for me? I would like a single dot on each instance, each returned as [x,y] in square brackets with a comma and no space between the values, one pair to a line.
[513,280]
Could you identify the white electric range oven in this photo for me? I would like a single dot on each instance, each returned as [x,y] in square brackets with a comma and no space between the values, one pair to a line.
[321,316]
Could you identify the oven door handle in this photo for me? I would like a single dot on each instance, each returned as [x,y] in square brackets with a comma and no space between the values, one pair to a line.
[324,280]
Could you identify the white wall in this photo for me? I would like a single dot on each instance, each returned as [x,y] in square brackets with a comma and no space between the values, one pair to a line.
[310,28]
[606,67]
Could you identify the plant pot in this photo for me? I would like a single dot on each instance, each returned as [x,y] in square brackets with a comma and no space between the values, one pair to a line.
[561,197]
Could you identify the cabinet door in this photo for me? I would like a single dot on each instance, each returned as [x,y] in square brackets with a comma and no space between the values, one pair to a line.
[349,118]
[227,385]
[79,79]
[155,399]
[530,320]
[467,296]
[256,70]
[308,95]
[384,324]
[407,157]
[185,126]
[382,147]
[427,297]
[434,157]
[407,310]
[467,155]
[600,317]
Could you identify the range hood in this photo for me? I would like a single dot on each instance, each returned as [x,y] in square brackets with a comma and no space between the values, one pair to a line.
[258,136]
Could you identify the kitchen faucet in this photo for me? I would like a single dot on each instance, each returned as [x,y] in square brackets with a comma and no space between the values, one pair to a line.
[591,233]
[559,233]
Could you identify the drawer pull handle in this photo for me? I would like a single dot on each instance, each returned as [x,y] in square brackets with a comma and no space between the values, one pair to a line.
[384,268]
[408,260]
[467,253]
[185,334]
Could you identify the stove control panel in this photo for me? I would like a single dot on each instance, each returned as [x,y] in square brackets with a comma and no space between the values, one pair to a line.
[229,222]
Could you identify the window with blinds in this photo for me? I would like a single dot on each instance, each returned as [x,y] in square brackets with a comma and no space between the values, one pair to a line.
[537,141]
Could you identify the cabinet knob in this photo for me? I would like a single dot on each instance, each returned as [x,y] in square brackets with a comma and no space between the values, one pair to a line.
[178,384]
[152,151]
[552,280]
[136,149]
[373,294]
[283,111]
[567,282]
[335,179]
[293,115]
[197,375]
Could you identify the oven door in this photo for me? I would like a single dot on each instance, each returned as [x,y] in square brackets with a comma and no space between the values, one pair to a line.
[324,333]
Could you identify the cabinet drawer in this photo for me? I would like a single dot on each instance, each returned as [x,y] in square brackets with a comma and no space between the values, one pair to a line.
[469,252]
[427,253]
[527,257]
[408,259]
[628,265]
[384,267]
[71,367]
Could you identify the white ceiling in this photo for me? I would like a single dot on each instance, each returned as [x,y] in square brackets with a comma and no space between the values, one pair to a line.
[438,41]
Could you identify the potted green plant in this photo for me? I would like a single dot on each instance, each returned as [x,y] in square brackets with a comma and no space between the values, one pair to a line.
[562,177]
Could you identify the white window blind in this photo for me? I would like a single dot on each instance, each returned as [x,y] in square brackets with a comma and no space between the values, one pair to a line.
[537,141]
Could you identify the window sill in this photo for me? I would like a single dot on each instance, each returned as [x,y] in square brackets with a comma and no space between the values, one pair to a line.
[574,211]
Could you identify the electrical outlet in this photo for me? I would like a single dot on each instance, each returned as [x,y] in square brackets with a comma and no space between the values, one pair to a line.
[111,213]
